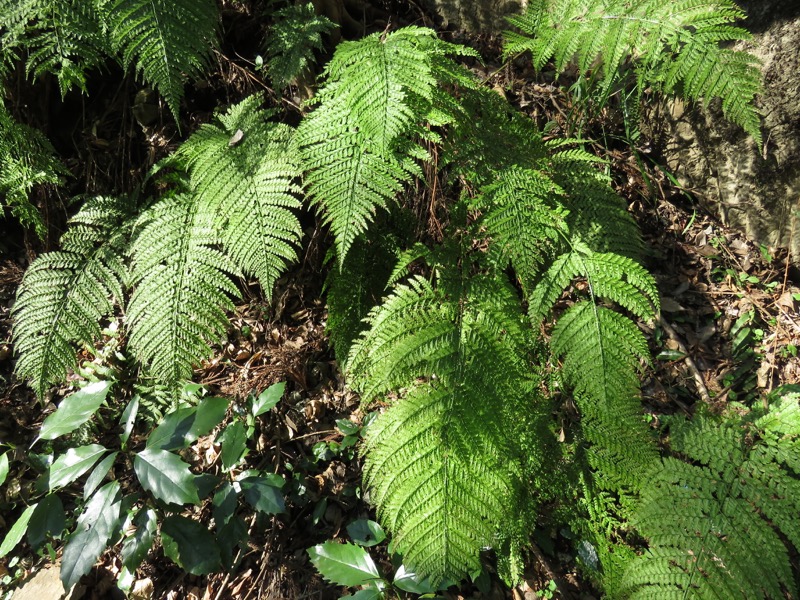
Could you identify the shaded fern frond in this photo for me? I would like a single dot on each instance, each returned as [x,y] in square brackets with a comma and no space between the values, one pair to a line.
[181,286]
[672,46]
[65,294]
[245,170]
[442,463]
[291,41]
[63,37]
[357,146]
[602,350]
[26,160]
[165,39]
[524,220]
[718,526]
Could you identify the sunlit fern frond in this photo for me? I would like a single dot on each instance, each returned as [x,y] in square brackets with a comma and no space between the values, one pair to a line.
[65,294]
[671,46]
[181,288]
[440,464]
[721,515]
[245,170]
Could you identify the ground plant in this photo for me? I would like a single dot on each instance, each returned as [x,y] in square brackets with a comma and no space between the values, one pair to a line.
[519,288]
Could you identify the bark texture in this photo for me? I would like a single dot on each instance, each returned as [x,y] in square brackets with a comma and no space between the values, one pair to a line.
[755,189]
[477,16]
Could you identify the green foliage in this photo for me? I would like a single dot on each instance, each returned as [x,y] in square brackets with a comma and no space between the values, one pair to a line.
[63,37]
[165,39]
[442,464]
[180,282]
[357,146]
[674,47]
[291,41]
[64,294]
[26,160]
[245,171]
[721,515]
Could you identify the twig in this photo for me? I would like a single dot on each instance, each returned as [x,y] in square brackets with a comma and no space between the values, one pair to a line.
[698,377]
[560,586]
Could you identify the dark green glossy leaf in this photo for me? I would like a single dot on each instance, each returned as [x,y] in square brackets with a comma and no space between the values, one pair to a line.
[136,547]
[17,531]
[190,545]
[268,399]
[74,463]
[98,474]
[344,564]
[370,593]
[47,519]
[99,521]
[264,494]
[75,410]
[408,581]
[166,476]
[127,419]
[3,467]
[225,502]
[231,536]
[366,533]
[186,425]
[234,445]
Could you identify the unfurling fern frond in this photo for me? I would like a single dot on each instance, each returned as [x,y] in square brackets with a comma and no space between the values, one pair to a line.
[165,39]
[65,294]
[245,170]
[26,160]
[180,284]
[443,463]
[672,46]
[723,525]
[291,41]
[357,146]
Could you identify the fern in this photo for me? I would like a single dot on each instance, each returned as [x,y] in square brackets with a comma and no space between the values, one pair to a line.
[721,525]
[357,146]
[672,46]
[244,170]
[293,37]
[65,294]
[180,284]
[442,464]
[26,160]
[62,37]
[165,39]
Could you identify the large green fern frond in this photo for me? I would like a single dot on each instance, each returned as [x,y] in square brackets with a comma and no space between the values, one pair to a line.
[602,350]
[357,146]
[245,170]
[165,39]
[181,284]
[27,159]
[718,526]
[64,295]
[442,463]
[673,46]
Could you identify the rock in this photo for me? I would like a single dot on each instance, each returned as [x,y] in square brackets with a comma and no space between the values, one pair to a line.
[754,189]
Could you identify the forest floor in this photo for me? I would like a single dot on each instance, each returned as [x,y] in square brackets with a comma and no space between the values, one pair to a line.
[730,331]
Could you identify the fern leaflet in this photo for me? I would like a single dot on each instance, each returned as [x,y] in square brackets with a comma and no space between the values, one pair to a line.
[442,465]
[673,46]
[180,284]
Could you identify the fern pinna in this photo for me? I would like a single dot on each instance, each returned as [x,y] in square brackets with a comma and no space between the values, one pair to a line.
[721,515]
[670,46]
